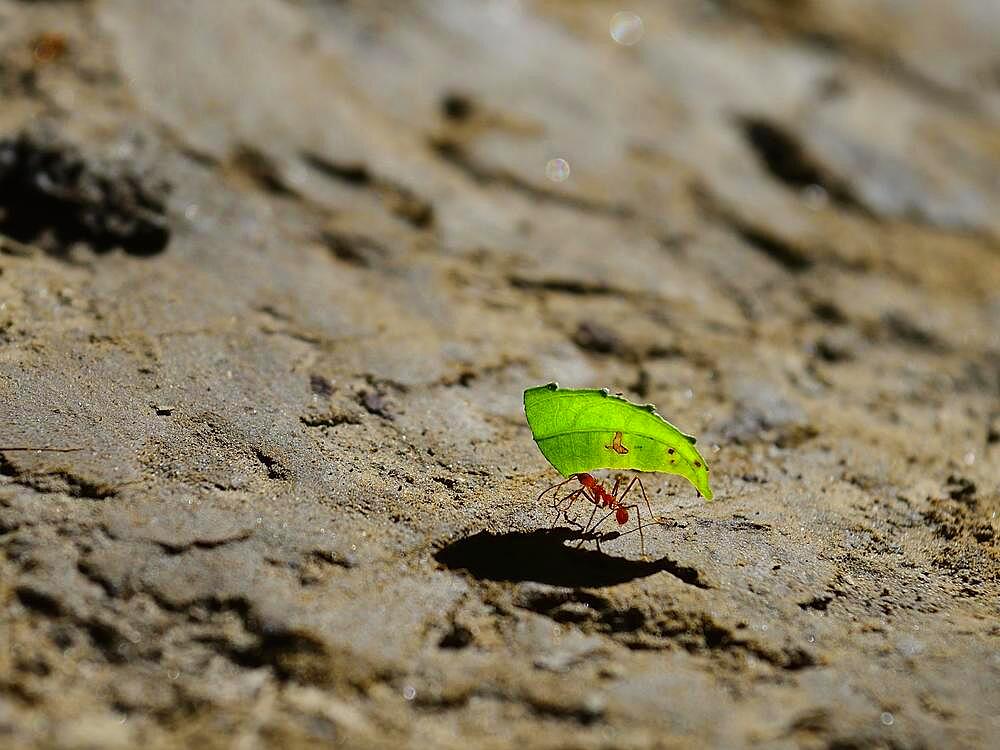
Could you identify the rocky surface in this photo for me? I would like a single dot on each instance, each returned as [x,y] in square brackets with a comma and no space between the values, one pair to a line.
[274,273]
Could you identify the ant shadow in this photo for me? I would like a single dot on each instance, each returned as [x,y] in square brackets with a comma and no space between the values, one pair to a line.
[542,556]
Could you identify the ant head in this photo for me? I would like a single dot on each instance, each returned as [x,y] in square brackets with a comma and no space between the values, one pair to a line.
[621,516]
[586,480]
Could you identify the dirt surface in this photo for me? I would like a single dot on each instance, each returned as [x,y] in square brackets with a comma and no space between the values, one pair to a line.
[274,274]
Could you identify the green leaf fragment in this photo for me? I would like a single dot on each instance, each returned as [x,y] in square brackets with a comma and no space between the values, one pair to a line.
[579,430]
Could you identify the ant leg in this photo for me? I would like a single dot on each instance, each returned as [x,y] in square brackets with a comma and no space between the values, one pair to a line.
[572,498]
[592,529]
[635,481]
[591,535]
[583,531]
[644,525]
[568,499]
[555,486]
[572,521]
[638,521]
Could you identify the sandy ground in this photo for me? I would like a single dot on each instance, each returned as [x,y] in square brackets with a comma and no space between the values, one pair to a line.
[274,274]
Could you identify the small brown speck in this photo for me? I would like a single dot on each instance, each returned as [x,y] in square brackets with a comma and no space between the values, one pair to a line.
[49,46]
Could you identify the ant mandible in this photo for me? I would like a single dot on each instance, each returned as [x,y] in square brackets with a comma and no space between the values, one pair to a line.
[594,491]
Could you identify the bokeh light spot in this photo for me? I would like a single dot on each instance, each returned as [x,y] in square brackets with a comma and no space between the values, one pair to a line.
[557,170]
[626,28]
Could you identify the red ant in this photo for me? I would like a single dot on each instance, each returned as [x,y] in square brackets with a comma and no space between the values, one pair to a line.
[594,491]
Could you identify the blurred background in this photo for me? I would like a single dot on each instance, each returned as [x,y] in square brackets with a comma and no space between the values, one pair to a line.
[275,273]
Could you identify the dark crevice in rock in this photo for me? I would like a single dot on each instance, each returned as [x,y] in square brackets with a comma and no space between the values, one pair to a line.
[399,199]
[586,609]
[641,630]
[106,639]
[827,311]
[52,197]
[457,107]
[641,385]
[787,160]
[355,249]
[465,377]
[332,558]
[274,468]
[787,256]
[552,602]
[177,548]
[961,489]
[552,709]
[958,519]
[104,635]
[261,169]
[899,328]
[458,637]
[564,286]
[61,480]
[77,486]
[93,573]
[376,403]
[7,469]
[818,603]
[329,420]
[38,600]
[285,652]
[543,707]
[320,385]
[699,633]
[290,654]
[599,339]
[351,173]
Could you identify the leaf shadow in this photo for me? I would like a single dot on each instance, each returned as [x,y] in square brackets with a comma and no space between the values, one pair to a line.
[542,556]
